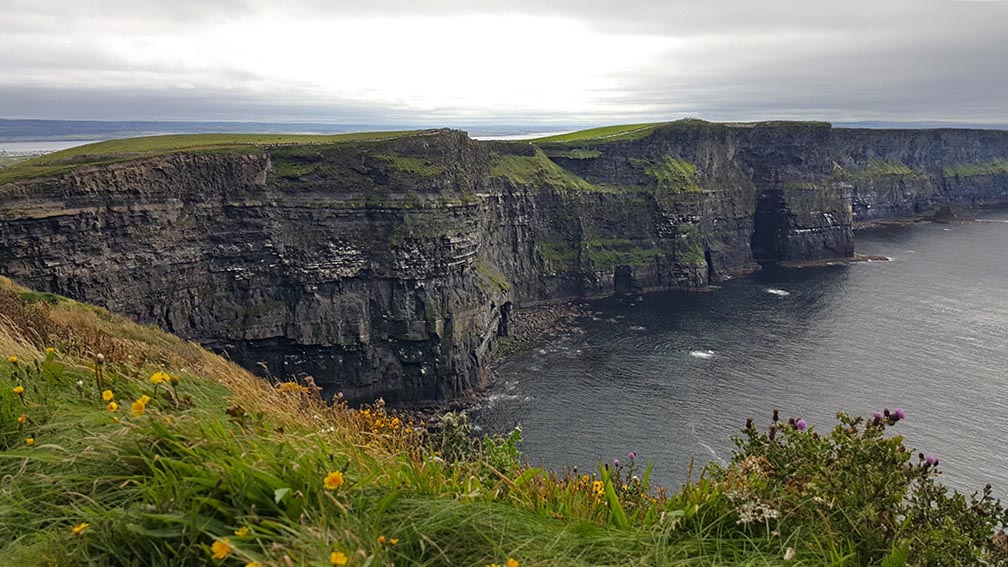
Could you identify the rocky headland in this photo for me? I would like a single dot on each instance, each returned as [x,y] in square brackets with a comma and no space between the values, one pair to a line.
[390,266]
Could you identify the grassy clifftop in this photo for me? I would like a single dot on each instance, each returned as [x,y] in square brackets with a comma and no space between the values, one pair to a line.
[123,445]
[115,151]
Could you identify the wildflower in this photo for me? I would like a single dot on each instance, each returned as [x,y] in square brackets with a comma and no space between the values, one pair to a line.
[789,554]
[50,350]
[12,359]
[100,359]
[877,416]
[19,390]
[174,379]
[337,558]
[899,413]
[113,407]
[242,531]
[931,460]
[615,462]
[79,528]
[598,487]
[381,539]
[144,399]
[801,425]
[511,563]
[138,407]
[107,395]
[30,441]
[631,455]
[394,541]
[221,548]
[253,564]
[23,419]
[292,387]
[333,480]
[753,511]
[159,378]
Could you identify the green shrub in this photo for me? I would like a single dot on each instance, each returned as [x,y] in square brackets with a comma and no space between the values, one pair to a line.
[857,490]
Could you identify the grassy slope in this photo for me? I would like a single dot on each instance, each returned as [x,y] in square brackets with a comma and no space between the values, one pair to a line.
[604,134]
[219,456]
[114,151]
[223,450]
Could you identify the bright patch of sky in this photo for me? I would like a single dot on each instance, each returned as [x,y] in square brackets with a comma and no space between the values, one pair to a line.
[520,61]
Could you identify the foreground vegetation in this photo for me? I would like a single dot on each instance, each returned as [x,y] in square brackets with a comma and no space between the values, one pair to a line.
[122,445]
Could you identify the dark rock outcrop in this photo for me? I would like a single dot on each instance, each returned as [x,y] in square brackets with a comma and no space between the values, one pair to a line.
[388,268]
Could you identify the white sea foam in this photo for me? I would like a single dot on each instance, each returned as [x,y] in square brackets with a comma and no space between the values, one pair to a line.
[638,328]
[702,353]
[779,292]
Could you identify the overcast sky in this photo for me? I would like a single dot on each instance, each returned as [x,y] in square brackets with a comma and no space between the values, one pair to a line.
[519,61]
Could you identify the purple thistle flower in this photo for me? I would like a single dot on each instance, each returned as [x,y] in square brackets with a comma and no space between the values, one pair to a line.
[615,462]
[930,459]
[877,415]
[631,455]
[801,425]
[899,413]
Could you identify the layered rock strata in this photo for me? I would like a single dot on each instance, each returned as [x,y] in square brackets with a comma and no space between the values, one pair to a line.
[388,268]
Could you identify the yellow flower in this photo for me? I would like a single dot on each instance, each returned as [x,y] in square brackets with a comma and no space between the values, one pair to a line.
[292,387]
[144,399]
[12,359]
[19,390]
[492,565]
[113,407]
[221,548]
[159,378]
[333,480]
[107,395]
[598,487]
[242,531]
[79,528]
[23,419]
[50,350]
[30,441]
[511,563]
[137,408]
[337,558]
[253,564]
[394,541]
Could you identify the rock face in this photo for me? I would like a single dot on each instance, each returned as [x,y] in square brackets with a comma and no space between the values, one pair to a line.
[388,268]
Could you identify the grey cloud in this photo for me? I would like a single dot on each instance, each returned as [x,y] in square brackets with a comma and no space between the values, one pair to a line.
[893,59]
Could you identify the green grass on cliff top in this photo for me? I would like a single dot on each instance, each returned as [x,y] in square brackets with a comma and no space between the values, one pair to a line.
[604,134]
[127,149]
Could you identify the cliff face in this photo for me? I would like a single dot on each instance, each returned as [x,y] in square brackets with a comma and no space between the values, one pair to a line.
[387,268]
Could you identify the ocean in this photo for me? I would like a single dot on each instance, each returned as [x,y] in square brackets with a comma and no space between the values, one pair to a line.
[672,377]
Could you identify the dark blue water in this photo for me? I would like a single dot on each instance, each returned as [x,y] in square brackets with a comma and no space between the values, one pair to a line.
[674,376]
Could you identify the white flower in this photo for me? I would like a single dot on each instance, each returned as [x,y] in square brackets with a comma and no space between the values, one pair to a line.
[789,554]
[750,512]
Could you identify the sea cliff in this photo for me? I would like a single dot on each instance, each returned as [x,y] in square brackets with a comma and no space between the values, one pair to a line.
[388,266]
